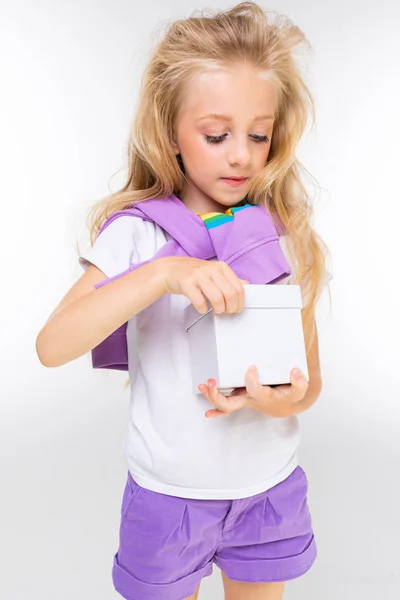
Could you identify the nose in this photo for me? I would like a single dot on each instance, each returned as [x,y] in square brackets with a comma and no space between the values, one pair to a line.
[239,152]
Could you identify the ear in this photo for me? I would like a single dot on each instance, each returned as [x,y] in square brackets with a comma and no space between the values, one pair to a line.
[174,142]
[174,147]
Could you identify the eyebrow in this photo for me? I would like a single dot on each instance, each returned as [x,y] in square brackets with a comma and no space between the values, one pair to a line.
[229,118]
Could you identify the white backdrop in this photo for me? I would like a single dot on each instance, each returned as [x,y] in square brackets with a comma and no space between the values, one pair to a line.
[69,83]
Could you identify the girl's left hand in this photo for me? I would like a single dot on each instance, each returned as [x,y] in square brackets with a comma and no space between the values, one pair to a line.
[278,401]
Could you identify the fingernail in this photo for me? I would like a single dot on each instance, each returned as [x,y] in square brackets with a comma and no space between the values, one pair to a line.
[298,373]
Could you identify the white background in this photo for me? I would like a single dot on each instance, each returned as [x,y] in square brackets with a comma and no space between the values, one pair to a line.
[70,72]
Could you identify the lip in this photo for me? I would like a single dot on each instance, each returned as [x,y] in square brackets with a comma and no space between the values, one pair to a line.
[235,181]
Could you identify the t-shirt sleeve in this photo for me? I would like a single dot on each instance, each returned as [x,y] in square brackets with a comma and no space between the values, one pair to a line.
[114,250]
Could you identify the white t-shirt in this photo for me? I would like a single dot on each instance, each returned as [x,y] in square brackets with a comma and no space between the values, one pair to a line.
[171,447]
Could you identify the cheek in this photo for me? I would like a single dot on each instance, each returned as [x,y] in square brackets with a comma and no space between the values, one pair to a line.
[200,157]
[263,157]
[210,158]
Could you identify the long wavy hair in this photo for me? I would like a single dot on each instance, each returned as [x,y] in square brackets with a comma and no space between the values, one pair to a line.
[214,39]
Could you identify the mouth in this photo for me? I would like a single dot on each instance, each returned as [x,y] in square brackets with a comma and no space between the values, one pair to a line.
[234,180]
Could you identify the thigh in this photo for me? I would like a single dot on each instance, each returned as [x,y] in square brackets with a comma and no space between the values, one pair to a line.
[270,540]
[195,595]
[166,544]
[239,590]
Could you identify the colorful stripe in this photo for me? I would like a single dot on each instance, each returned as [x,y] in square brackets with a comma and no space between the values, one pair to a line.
[214,219]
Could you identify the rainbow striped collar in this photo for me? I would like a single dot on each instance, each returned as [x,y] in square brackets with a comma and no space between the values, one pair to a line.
[214,219]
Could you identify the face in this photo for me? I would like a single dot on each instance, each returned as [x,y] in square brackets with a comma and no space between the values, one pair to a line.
[214,149]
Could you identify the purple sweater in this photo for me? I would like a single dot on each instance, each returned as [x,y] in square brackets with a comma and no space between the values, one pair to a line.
[244,237]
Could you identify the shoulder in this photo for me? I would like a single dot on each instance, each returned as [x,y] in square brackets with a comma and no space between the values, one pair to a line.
[124,239]
[130,226]
[121,223]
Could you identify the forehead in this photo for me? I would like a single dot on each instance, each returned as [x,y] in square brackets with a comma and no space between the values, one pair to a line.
[236,93]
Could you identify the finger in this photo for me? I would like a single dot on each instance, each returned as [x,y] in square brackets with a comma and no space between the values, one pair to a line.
[216,412]
[231,275]
[254,388]
[196,297]
[231,293]
[213,293]
[236,282]
[222,404]
[226,405]
[204,389]
[217,399]
[210,392]
[299,384]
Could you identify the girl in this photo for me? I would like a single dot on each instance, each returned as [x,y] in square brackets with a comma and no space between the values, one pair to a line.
[221,111]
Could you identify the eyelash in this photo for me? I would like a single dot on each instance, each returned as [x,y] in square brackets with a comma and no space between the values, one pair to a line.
[259,139]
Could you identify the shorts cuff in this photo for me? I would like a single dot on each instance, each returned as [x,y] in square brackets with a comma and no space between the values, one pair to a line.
[269,570]
[131,588]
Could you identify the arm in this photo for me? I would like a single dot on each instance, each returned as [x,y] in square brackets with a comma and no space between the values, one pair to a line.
[311,396]
[314,373]
[313,390]
[86,315]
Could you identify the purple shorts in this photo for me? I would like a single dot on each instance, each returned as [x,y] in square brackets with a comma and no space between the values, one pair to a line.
[168,544]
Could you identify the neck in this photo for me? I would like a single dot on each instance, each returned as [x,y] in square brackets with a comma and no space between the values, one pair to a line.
[199,203]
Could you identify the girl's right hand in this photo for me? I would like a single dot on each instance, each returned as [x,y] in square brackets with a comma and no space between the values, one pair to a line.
[199,280]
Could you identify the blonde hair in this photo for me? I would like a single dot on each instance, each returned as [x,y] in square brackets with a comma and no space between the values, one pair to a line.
[218,39]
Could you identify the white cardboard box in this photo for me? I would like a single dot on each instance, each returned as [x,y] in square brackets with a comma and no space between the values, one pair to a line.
[268,333]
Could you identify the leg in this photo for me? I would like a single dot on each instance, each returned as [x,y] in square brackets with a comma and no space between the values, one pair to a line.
[268,541]
[195,595]
[154,545]
[239,590]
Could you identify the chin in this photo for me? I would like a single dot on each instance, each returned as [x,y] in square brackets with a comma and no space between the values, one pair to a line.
[230,202]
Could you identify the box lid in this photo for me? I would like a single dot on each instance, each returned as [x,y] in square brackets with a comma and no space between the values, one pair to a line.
[272,295]
[259,296]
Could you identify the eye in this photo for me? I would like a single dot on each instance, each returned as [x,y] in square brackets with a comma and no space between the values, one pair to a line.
[214,139]
[259,139]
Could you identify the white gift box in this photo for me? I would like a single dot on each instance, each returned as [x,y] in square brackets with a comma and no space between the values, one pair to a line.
[267,333]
